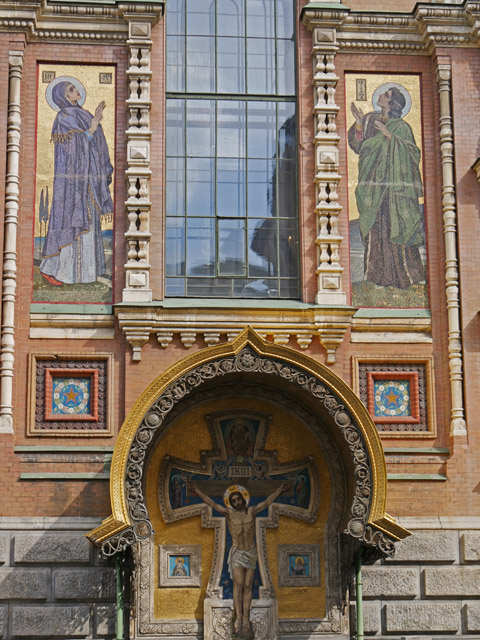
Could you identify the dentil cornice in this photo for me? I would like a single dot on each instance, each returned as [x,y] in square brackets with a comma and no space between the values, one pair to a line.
[102,21]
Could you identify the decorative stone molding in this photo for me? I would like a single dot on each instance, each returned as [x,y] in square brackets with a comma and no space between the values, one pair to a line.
[327,208]
[391,330]
[416,32]
[137,268]
[9,281]
[72,326]
[212,326]
[368,480]
[59,21]
[458,426]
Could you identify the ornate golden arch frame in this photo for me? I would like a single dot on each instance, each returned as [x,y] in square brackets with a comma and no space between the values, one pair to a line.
[368,523]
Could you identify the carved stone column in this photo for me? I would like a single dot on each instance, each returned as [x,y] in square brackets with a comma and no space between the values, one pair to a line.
[449,205]
[9,284]
[327,208]
[137,267]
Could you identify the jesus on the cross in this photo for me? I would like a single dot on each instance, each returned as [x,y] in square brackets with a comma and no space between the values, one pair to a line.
[243,555]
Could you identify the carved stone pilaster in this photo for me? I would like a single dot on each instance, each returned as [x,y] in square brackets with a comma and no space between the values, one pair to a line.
[449,205]
[9,282]
[327,208]
[137,268]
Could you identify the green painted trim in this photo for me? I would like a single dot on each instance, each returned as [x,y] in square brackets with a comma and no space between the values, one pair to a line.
[91,309]
[228,303]
[359,593]
[439,450]
[81,475]
[33,448]
[393,313]
[426,477]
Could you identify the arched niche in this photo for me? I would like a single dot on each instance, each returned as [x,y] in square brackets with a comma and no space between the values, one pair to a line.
[290,388]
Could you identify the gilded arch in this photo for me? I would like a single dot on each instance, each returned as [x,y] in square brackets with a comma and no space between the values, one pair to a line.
[367,521]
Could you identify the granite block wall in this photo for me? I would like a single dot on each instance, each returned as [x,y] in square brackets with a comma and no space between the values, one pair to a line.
[52,582]
[429,590]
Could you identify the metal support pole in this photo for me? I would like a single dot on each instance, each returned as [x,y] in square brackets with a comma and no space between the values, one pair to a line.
[358,591]
[119,600]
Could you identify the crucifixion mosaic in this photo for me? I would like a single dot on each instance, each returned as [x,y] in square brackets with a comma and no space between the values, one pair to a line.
[239,489]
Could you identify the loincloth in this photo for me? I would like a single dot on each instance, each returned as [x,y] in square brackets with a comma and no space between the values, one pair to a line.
[241,558]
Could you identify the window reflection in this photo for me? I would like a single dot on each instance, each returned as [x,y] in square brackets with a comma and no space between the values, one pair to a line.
[200,247]
[200,187]
[231,173]
[231,187]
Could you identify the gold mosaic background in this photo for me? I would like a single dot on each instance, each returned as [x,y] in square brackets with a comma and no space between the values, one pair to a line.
[185,439]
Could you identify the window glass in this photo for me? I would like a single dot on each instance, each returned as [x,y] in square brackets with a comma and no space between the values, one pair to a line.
[262,129]
[261,181]
[200,122]
[201,17]
[200,186]
[231,187]
[200,254]
[175,187]
[230,65]
[175,17]
[261,66]
[231,248]
[261,18]
[175,247]
[200,64]
[231,127]
[176,63]
[231,18]
[175,127]
[231,170]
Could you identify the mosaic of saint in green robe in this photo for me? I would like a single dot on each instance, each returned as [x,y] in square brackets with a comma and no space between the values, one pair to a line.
[388,192]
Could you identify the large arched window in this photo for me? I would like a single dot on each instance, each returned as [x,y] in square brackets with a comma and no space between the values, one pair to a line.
[231,192]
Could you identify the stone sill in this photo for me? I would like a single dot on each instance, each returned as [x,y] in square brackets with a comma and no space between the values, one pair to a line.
[65,476]
[215,321]
[423,477]
[389,328]
[81,326]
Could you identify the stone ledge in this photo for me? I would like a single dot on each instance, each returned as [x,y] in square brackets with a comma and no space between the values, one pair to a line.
[457,581]
[50,622]
[472,612]
[459,523]
[24,584]
[84,584]
[105,620]
[62,523]
[422,617]
[391,582]
[3,549]
[470,547]
[50,548]
[423,547]
[222,323]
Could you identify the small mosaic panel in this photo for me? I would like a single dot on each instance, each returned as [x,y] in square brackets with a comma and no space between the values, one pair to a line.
[180,565]
[398,395]
[392,398]
[298,565]
[70,396]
